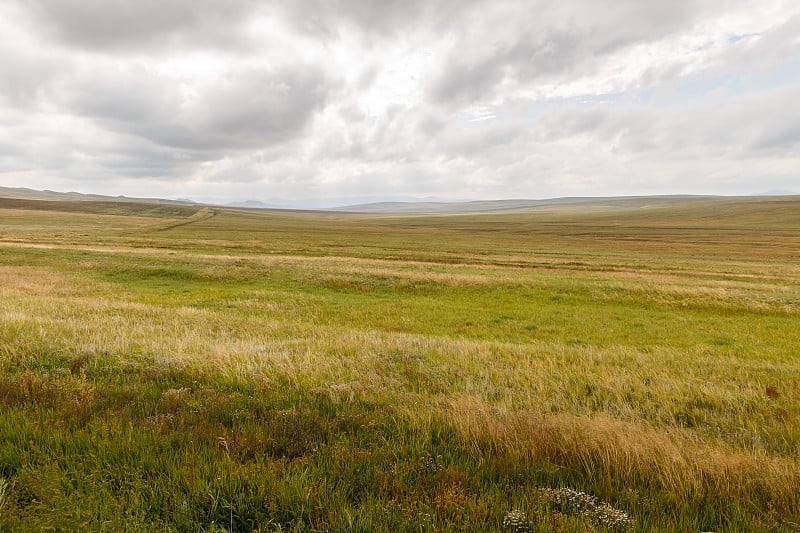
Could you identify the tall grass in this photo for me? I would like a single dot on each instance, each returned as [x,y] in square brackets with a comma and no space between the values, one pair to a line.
[221,373]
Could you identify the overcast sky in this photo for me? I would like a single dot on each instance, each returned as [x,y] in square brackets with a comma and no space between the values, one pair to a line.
[327,102]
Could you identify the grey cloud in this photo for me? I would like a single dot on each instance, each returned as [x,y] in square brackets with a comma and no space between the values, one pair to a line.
[737,127]
[139,158]
[625,147]
[768,50]
[249,108]
[430,126]
[128,121]
[569,120]
[325,18]
[123,95]
[105,25]
[73,148]
[418,134]
[465,83]
[259,107]
[109,25]
[744,66]
[784,138]
[749,126]
[390,137]
[539,41]
[482,140]
[26,76]
[775,123]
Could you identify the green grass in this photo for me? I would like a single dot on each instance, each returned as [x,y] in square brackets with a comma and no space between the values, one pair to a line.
[169,369]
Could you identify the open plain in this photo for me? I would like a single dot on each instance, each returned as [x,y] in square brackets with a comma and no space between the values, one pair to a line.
[618,365]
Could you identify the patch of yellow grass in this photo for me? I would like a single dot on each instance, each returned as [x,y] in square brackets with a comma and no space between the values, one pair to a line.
[615,452]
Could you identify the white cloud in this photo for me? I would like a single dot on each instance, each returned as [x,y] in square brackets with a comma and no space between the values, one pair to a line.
[310,99]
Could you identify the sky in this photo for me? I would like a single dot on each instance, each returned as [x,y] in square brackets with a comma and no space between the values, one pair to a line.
[314,103]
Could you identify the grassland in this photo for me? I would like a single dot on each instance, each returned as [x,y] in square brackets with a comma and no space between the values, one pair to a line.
[171,368]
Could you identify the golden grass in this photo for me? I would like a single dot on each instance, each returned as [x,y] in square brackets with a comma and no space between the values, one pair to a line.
[621,453]
[688,417]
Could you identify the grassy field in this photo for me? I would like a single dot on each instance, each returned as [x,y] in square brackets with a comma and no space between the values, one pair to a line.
[602,367]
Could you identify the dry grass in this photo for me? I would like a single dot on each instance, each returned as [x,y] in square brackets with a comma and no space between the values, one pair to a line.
[620,454]
[667,375]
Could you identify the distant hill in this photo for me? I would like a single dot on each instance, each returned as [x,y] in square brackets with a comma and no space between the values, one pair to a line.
[251,204]
[22,193]
[487,206]
[8,194]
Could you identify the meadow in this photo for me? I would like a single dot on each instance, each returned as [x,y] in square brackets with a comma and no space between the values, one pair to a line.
[621,365]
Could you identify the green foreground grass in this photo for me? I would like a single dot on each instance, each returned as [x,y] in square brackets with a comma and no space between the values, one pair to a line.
[603,369]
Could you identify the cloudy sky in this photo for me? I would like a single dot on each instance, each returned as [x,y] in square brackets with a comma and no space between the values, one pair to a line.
[315,102]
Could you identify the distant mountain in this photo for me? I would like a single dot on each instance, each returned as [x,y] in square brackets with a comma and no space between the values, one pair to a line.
[22,193]
[252,204]
[485,206]
[328,203]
